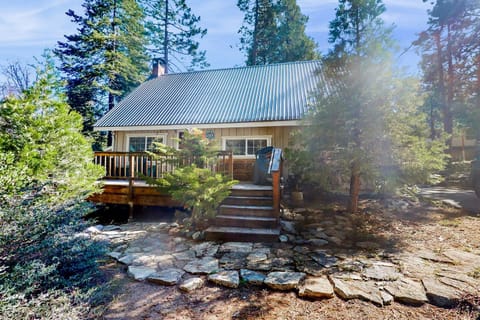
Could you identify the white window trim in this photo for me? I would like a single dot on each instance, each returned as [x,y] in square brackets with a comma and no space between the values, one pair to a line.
[177,135]
[251,156]
[146,135]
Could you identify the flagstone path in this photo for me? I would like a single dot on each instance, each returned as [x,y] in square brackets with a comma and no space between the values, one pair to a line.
[154,252]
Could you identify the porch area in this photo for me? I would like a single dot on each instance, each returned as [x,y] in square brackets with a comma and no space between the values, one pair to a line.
[250,213]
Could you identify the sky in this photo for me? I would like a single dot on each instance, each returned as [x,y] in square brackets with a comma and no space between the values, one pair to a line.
[27,27]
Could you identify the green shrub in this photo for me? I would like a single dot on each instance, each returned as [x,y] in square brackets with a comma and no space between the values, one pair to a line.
[193,183]
[47,269]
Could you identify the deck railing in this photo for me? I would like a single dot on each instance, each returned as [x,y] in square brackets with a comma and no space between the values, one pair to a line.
[126,165]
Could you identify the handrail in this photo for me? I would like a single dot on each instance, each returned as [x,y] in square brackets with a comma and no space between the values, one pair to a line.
[130,165]
[275,169]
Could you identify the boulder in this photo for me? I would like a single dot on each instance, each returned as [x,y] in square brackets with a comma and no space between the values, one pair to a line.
[357,289]
[167,277]
[191,284]
[205,265]
[382,272]
[241,247]
[316,288]
[440,294]
[227,278]
[140,273]
[407,291]
[281,280]
[252,277]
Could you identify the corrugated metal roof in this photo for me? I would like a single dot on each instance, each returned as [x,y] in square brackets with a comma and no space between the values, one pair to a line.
[277,92]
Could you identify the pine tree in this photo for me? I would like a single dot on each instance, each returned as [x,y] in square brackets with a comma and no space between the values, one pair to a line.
[106,58]
[450,50]
[368,118]
[274,31]
[172,33]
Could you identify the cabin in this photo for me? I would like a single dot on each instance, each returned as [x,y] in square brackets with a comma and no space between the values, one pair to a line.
[242,110]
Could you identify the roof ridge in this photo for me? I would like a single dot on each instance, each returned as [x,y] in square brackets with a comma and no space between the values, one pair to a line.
[239,68]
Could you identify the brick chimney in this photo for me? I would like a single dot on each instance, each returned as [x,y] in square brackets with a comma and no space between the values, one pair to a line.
[159,68]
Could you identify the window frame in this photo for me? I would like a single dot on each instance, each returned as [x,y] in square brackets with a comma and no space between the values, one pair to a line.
[246,138]
[155,136]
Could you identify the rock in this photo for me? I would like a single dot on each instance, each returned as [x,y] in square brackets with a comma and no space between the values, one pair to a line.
[111,228]
[311,268]
[284,280]
[243,247]
[323,259]
[439,294]
[165,261]
[184,255]
[451,203]
[114,254]
[355,289]
[302,249]
[228,278]
[283,238]
[94,229]
[252,277]
[428,255]
[167,277]
[459,281]
[263,265]
[382,272]
[288,226]
[386,297]
[205,249]
[197,235]
[316,288]
[204,265]
[191,284]
[462,257]
[127,259]
[407,291]
[140,273]
[256,257]
[317,242]
[233,260]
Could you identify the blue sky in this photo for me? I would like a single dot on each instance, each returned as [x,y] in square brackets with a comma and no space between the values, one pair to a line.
[27,27]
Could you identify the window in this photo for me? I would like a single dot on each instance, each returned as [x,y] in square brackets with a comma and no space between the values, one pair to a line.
[241,146]
[143,143]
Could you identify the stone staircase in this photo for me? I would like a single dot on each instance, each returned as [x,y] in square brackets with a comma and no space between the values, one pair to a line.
[246,215]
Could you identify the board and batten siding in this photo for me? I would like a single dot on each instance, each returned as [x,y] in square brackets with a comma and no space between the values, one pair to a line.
[243,167]
[279,135]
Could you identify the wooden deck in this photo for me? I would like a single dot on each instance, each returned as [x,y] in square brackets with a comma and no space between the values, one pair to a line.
[132,193]
[251,210]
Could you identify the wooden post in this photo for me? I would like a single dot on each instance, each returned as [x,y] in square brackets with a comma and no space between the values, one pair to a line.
[276,193]
[231,164]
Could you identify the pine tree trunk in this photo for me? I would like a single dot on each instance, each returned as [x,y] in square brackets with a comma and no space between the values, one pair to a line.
[354,189]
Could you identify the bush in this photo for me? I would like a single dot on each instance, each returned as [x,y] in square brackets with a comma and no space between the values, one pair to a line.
[194,184]
[46,171]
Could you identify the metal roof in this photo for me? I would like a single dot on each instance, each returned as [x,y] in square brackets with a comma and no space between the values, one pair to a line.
[277,92]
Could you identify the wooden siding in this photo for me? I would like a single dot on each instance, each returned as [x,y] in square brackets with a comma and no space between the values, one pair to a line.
[280,135]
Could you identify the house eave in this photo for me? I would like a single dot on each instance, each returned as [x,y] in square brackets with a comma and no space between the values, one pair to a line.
[289,123]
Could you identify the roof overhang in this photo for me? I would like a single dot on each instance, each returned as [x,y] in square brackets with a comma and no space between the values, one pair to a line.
[289,123]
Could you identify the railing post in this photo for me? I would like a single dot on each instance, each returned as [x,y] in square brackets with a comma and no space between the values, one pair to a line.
[276,193]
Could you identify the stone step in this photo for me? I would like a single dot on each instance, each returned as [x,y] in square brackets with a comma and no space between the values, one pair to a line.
[246,190]
[248,201]
[242,234]
[245,221]
[250,211]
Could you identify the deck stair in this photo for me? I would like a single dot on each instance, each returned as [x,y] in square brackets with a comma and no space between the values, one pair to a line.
[246,215]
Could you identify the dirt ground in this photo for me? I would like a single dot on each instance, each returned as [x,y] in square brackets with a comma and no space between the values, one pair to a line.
[420,226]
